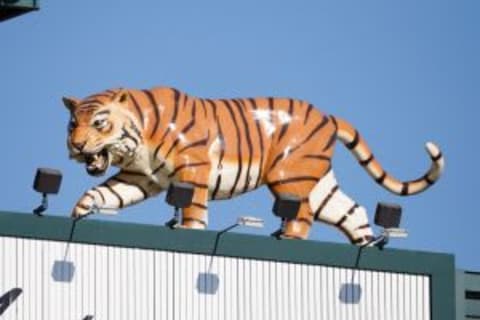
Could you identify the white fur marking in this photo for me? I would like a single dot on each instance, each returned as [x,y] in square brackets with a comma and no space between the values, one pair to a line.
[321,190]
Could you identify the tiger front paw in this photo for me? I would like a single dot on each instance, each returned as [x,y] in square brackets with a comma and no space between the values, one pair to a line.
[83,207]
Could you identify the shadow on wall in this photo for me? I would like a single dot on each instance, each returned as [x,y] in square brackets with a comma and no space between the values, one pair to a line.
[63,271]
[350,293]
[208,283]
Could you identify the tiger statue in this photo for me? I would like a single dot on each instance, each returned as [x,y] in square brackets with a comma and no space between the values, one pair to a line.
[223,148]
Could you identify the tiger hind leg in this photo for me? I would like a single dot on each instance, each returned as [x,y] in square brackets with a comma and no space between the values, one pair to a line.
[298,228]
[330,205]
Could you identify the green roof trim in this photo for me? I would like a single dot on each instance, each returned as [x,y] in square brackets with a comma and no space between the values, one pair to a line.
[440,267]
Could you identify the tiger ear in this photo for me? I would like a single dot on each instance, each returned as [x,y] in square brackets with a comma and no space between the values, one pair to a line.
[121,96]
[70,103]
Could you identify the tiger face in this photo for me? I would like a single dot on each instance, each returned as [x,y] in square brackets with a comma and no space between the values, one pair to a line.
[100,132]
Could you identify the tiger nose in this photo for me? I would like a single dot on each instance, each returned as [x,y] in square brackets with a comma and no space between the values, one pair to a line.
[79,145]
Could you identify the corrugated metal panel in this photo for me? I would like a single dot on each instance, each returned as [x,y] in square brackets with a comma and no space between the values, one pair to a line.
[69,281]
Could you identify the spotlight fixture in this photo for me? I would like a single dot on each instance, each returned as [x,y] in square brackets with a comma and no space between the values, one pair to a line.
[246,221]
[179,195]
[388,216]
[47,181]
[252,222]
[286,207]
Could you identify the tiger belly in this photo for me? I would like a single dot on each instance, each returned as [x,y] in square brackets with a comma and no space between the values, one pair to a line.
[224,184]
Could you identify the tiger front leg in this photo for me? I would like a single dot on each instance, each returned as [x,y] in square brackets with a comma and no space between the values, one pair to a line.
[195,216]
[119,191]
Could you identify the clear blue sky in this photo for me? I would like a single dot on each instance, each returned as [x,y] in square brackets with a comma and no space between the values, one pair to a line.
[403,72]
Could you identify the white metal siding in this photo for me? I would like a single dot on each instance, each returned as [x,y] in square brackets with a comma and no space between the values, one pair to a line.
[114,283]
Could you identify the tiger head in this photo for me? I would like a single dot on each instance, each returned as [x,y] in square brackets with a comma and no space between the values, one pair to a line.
[101,131]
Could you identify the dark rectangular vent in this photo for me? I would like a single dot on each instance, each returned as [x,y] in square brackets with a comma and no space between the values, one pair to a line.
[472,295]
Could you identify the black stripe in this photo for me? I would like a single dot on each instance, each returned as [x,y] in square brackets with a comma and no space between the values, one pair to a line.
[173,119]
[260,141]
[199,205]
[185,102]
[365,162]
[157,149]
[132,173]
[342,220]
[119,198]
[405,187]
[284,128]
[428,180]
[217,186]
[312,133]
[83,206]
[191,123]
[100,193]
[317,156]
[334,120]
[292,180]
[187,165]
[239,145]
[276,160]
[195,220]
[270,103]
[353,208]
[154,105]
[88,195]
[203,107]
[353,144]
[88,103]
[196,184]
[198,143]
[325,201]
[316,129]
[127,135]
[185,130]
[363,226]
[309,109]
[135,128]
[139,187]
[330,142]
[240,107]
[137,109]
[160,167]
[381,179]
[437,157]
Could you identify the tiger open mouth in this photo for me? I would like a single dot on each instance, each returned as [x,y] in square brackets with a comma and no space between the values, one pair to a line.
[98,163]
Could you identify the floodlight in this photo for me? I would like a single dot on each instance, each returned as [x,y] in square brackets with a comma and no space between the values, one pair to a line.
[246,221]
[286,206]
[250,222]
[388,216]
[179,195]
[47,181]
[395,233]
